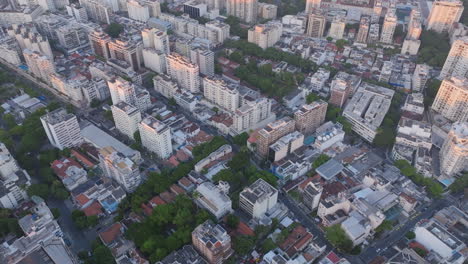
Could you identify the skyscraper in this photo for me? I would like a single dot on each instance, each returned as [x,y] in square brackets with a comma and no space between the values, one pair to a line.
[121,91]
[245,10]
[310,116]
[62,129]
[183,72]
[100,43]
[456,63]
[204,58]
[452,99]
[155,38]
[272,132]
[316,25]
[156,137]
[221,93]
[443,14]
[39,65]
[389,26]
[454,152]
[126,51]
[420,77]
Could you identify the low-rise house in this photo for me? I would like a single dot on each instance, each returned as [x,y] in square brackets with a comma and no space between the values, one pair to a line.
[70,172]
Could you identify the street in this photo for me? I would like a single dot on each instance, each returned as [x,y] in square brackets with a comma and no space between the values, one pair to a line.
[368,253]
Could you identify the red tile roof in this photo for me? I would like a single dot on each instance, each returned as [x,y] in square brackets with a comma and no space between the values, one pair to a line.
[176,189]
[155,201]
[167,196]
[81,199]
[147,210]
[296,241]
[60,166]
[333,257]
[185,182]
[111,233]
[82,158]
[93,209]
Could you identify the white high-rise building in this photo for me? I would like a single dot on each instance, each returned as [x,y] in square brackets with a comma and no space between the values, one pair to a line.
[204,58]
[246,10]
[389,26]
[62,129]
[154,60]
[120,168]
[28,37]
[443,14]
[126,118]
[156,137]
[157,39]
[252,114]
[265,35]
[221,29]
[122,91]
[183,72]
[78,12]
[98,11]
[456,63]
[454,152]
[337,27]
[420,77]
[165,85]
[39,65]
[221,93]
[13,180]
[137,11]
[452,99]
[311,5]
[258,198]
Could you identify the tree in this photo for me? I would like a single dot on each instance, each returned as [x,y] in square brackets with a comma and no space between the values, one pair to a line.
[337,237]
[172,101]
[9,120]
[341,43]
[55,212]
[232,221]
[329,39]
[385,137]
[320,161]
[268,245]
[460,184]
[95,103]
[243,245]
[345,123]
[114,30]
[108,115]
[41,190]
[332,113]
[434,48]
[312,98]
[241,139]
[137,137]
[410,235]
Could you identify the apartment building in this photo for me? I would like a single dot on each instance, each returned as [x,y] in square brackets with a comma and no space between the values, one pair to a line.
[214,198]
[265,35]
[337,27]
[99,11]
[62,129]
[126,118]
[156,137]
[342,85]
[367,109]
[205,59]
[310,116]
[454,152]
[388,28]
[28,37]
[258,198]
[39,65]
[165,85]
[221,93]
[99,41]
[452,99]
[13,180]
[142,10]
[120,168]
[126,51]
[272,132]
[312,5]
[420,77]
[252,114]
[212,242]
[185,73]
[267,11]
[316,25]
[157,39]
[363,31]
[245,10]
[221,29]
[456,63]
[443,14]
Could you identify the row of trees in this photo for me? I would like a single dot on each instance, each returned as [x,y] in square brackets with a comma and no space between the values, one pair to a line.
[236,27]
[251,49]
[432,186]
[434,48]
[8,223]
[82,221]
[267,81]
[99,254]
[168,228]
